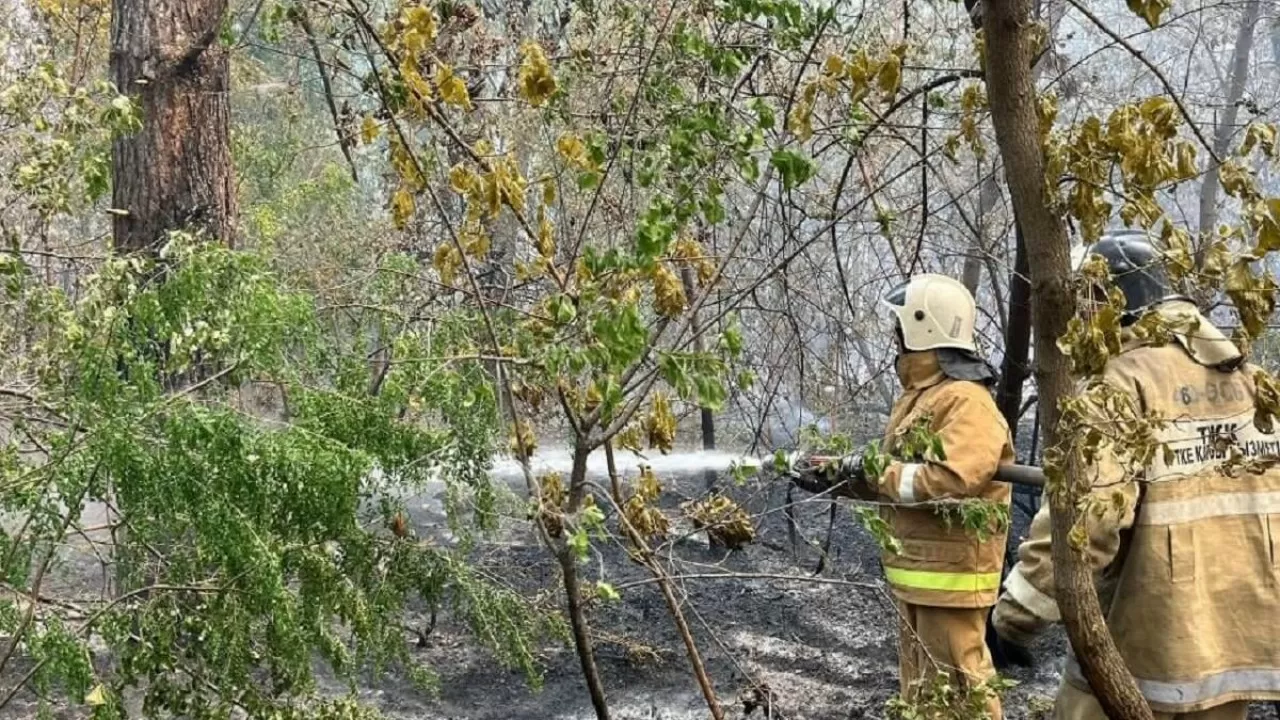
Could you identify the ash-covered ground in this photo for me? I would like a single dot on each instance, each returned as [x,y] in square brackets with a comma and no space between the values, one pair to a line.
[823,643]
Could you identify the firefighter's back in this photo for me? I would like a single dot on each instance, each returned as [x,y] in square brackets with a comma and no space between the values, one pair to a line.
[1197,600]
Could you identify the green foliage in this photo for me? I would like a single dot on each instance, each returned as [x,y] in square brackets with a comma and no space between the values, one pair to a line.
[919,443]
[61,134]
[794,169]
[942,698]
[881,531]
[978,517]
[256,539]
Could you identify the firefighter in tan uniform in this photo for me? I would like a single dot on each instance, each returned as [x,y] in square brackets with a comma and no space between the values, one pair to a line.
[945,579]
[1189,571]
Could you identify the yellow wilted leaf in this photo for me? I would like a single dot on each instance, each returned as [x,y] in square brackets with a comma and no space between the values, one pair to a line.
[452,90]
[97,696]
[889,77]
[402,207]
[1268,225]
[420,28]
[1216,259]
[1161,112]
[475,241]
[1259,135]
[413,79]
[523,442]
[536,83]
[447,261]
[509,185]
[546,242]
[861,69]
[369,130]
[668,293]
[1150,10]
[462,179]
[406,165]
[660,424]
[1047,111]
[1237,181]
[800,119]
[630,438]
[1186,161]
[574,151]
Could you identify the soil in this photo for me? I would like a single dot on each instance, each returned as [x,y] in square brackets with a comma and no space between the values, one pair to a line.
[824,644]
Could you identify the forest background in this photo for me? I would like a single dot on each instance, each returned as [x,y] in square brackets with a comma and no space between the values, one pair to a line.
[338,333]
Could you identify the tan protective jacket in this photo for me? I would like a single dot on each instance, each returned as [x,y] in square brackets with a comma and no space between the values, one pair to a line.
[941,564]
[1190,567]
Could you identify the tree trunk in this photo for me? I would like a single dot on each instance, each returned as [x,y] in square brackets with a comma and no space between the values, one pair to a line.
[1227,123]
[573,592]
[1011,46]
[1017,338]
[699,345]
[175,173]
[988,195]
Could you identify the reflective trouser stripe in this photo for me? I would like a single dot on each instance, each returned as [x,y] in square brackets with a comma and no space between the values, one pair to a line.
[907,483]
[930,580]
[1195,692]
[1030,597]
[1169,512]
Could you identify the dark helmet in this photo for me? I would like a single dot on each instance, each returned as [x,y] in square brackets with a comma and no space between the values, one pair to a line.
[974,7]
[1137,269]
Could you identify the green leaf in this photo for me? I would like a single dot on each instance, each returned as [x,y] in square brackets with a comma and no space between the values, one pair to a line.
[794,168]
[563,309]
[580,544]
[731,340]
[765,118]
[607,592]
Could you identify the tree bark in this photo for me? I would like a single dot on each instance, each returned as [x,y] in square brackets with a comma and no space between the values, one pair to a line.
[573,592]
[700,345]
[1014,370]
[1012,92]
[1227,124]
[979,246]
[175,173]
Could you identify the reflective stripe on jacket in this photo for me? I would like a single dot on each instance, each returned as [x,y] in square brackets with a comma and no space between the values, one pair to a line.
[1189,569]
[940,563]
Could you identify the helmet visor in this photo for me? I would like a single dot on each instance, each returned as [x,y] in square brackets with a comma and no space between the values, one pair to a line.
[897,297]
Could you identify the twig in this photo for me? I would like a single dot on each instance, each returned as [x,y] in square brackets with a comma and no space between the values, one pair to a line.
[344,141]
[1168,87]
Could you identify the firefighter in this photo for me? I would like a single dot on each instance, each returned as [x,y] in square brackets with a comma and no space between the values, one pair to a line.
[1188,570]
[945,578]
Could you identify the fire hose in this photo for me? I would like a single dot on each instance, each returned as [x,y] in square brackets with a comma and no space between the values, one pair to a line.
[1025,475]
[1028,476]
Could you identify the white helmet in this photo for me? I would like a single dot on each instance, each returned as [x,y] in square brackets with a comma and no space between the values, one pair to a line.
[934,311]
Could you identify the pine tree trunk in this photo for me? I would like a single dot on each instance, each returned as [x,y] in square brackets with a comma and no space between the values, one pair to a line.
[175,173]
[1011,47]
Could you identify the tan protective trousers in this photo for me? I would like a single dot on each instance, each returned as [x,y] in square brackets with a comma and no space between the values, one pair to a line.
[953,640]
[1076,704]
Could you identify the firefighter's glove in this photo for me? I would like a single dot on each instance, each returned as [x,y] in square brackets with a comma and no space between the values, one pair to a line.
[842,475]
[854,476]
[1006,653]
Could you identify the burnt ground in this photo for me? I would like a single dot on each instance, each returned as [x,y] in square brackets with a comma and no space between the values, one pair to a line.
[824,644]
